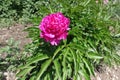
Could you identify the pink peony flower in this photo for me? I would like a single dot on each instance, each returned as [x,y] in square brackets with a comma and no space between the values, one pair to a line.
[54,28]
[105,1]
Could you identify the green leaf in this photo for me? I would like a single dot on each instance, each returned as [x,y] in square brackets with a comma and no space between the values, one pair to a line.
[94,56]
[58,68]
[86,3]
[75,61]
[33,32]
[89,67]
[32,78]
[34,60]
[116,58]
[23,78]
[93,46]
[25,71]
[64,64]
[43,68]
[84,73]
[48,77]
[37,58]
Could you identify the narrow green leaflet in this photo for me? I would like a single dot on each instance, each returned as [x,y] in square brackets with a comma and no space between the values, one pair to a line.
[94,56]
[88,66]
[43,68]
[64,64]
[117,56]
[25,71]
[32,78]
[75,61]
[70,70]
[58,68]
[23,78]
[84,73]
[87,2]
[34,60]
[48,77]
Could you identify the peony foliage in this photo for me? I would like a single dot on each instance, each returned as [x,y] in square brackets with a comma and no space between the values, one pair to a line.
[59,54]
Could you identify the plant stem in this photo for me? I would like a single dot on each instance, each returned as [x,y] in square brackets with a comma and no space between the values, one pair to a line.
[57,51]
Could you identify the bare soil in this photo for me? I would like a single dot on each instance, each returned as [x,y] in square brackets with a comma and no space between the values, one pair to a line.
[16,32]
[108,73]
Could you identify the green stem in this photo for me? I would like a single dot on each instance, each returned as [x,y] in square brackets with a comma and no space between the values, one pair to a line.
[57,51]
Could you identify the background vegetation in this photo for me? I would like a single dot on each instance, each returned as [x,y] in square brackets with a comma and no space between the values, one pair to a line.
[92,40]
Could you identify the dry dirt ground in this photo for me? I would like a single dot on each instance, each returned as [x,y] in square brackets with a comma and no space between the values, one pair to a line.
[18,34]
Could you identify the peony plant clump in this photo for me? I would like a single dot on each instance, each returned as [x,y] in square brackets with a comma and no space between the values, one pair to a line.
[70,39]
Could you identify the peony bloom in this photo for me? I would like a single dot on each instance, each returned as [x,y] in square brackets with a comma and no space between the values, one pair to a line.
[54,28]
[105,1]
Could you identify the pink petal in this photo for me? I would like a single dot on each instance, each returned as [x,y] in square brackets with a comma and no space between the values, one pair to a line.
[50,35]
